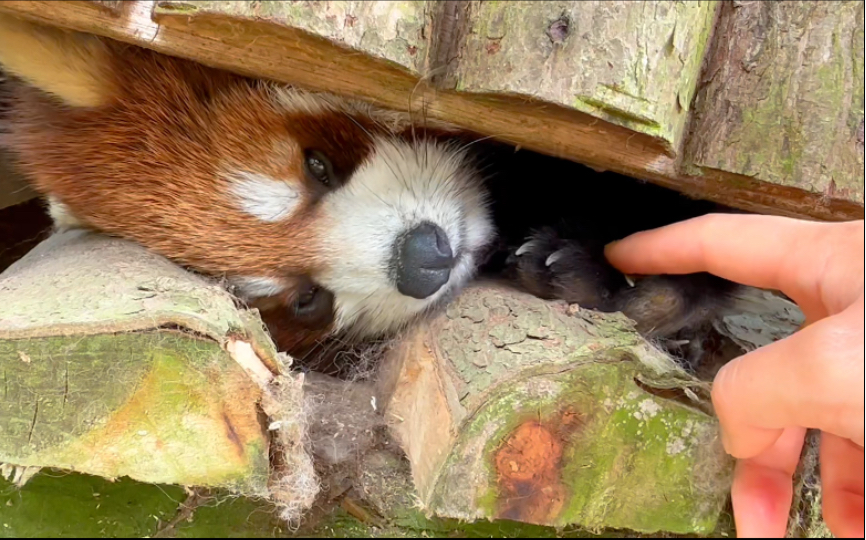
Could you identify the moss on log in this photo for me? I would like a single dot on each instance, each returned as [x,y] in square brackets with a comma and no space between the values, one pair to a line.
[115,362]
[155,407]
[782,97]
[510,407]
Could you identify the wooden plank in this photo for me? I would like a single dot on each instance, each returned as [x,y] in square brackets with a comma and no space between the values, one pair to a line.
[783,97]
[268,49]
[634,64]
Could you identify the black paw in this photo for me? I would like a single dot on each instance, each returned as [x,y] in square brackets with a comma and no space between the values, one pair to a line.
[663,306]
[552,267]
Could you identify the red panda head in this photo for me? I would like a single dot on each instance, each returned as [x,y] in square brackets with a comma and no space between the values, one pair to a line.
[339,216]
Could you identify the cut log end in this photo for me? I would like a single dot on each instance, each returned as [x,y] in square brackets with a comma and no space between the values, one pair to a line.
[510,407]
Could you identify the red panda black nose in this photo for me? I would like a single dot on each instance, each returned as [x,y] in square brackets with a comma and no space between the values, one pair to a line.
[423,259]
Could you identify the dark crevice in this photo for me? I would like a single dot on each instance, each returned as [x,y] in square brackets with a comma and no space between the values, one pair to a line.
[677,395]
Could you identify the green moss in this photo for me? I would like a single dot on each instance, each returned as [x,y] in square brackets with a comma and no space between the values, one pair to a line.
[233,517]
[623,115]
[138,404]
[855,116]
[55,389]
[62,505]
[632,465]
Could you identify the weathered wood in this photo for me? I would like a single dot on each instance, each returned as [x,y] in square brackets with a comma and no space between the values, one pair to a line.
[782,99]
[117,363]
[268,49]
[634,64]
[111,6]
[514,408]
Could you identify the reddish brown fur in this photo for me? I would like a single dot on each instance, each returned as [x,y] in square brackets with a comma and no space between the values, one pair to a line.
[148,153]
[146,166]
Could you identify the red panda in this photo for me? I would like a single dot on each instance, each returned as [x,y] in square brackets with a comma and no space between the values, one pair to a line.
[331,216]
[329,206]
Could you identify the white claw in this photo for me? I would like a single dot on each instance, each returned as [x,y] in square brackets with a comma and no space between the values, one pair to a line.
[553,257]
[629,280]
[524,248]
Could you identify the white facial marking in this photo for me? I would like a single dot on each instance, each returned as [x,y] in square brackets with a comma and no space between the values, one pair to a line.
[264,197]
[397,188]
[63,218]
[256,287]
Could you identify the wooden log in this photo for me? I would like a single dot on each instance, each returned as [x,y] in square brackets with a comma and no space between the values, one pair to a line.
[392,31]
[264,47]
[602,58]
[118,363]
[782,97]
[509,407]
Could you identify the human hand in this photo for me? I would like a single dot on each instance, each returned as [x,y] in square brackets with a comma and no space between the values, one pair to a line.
[766,399]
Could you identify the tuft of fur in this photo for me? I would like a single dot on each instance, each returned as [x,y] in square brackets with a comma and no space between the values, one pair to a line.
[68,65]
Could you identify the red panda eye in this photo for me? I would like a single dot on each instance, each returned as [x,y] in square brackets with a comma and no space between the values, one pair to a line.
[306,298]
[319,167]
[315,306]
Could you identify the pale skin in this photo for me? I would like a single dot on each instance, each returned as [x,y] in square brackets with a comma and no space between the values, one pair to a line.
[765,400]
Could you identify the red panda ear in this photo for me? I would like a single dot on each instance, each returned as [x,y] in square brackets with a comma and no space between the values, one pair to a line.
[70,65]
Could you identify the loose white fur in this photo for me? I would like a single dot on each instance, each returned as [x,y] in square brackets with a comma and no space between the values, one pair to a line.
[263,197]
[399,186]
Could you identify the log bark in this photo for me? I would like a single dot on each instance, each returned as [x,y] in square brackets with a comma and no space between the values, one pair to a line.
[392,31]
[478,399]
[782,97]
[116,362]
[509,407]
[634,64]
[267,48]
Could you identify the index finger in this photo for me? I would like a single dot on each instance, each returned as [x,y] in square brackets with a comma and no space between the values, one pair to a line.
[769,252]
